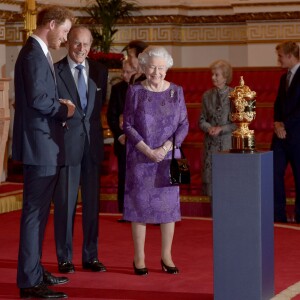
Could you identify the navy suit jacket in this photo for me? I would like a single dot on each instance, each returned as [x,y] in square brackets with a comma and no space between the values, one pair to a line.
[82,123]
[287,106]
[38,132]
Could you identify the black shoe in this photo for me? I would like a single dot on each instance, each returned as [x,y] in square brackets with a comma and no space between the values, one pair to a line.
[280,220]
[49,279]
[122,221]
[66,267]
[141,272]
[94,265]
[170,270]
[40,291]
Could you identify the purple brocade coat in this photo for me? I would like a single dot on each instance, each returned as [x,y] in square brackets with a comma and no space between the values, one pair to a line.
[152,117]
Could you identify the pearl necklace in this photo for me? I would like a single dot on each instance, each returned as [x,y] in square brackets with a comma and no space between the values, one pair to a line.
[159,89]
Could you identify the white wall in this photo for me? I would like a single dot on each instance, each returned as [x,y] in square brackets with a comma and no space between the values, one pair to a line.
[262,55]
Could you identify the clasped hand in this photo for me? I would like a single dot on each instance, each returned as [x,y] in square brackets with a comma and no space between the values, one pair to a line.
[157,154]
[215,130]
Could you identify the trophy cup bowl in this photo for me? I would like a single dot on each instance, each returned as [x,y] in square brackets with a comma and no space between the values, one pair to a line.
[242,105]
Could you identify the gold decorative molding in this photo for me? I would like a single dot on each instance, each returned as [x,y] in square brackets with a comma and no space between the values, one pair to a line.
[273,31]
[175,35]
[14,33]
[188,20]
[184,30]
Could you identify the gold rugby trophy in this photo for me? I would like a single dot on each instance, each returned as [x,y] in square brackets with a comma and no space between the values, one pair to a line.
[242,103]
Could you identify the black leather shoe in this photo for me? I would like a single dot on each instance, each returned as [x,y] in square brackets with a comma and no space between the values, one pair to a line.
[122,221]
[141,271]
[49,279]
[66,267]
[94,265]
[170,270]
[40,291]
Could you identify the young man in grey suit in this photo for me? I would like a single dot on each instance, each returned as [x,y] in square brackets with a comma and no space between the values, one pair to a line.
[84,151]
[39,143]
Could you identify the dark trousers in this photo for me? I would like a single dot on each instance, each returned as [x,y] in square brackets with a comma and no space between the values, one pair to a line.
[39,184]
[86,174]
[285,152]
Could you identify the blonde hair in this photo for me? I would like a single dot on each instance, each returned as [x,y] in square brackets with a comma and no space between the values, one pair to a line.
[289,47]
[225,68]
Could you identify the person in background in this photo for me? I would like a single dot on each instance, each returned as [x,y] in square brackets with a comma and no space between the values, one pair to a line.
[214,119]
[286,137]
[133,49]
[154,111]
[38,141]
[115,122]
[84,151]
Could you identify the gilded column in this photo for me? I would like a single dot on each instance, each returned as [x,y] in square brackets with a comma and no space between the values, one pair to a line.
[29,18]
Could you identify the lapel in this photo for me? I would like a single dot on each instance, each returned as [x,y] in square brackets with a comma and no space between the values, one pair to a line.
[35,44]
[66,77]
[92,88]
[295,81]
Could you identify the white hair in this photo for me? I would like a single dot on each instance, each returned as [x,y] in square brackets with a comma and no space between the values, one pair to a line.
[155,51]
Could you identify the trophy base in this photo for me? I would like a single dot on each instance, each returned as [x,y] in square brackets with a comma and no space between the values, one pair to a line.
[242,150]
[243,144]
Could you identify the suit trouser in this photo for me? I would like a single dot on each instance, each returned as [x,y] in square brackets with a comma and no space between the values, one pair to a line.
[285,152]
[66,194]
[39,184]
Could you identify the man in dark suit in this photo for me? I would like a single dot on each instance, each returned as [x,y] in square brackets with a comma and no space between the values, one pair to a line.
[286,138]
[114,119]
[38,142]
[84,151]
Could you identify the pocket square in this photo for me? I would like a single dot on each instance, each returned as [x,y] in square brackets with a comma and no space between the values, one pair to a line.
[98,89]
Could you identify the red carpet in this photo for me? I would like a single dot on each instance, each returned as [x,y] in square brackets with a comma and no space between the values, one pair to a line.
[192,254]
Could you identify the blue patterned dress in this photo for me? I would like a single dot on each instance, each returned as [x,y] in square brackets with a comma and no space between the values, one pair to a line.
[152,117]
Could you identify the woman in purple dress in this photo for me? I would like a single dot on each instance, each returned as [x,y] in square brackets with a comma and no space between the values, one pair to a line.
[154,111]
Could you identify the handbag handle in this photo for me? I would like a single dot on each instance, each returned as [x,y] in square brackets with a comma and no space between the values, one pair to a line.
[173,150]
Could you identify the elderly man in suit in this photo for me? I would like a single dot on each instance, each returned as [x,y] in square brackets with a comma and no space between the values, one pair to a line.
[39,143]
[114,119]
[84,82]
[286,138]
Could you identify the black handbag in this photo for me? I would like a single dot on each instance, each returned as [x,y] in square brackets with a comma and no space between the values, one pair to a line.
[179,168]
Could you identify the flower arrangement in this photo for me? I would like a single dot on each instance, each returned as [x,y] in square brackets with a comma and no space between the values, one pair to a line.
[110,60]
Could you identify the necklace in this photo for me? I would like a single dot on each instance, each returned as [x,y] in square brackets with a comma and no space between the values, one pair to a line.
[223,90]
[158,89]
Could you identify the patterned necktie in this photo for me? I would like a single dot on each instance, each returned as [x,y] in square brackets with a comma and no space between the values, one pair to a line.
[81,86]
[288,79]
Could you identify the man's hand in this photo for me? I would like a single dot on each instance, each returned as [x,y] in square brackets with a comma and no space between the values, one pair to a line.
[122,139]
[70,105]
[121,122]
[279,130]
